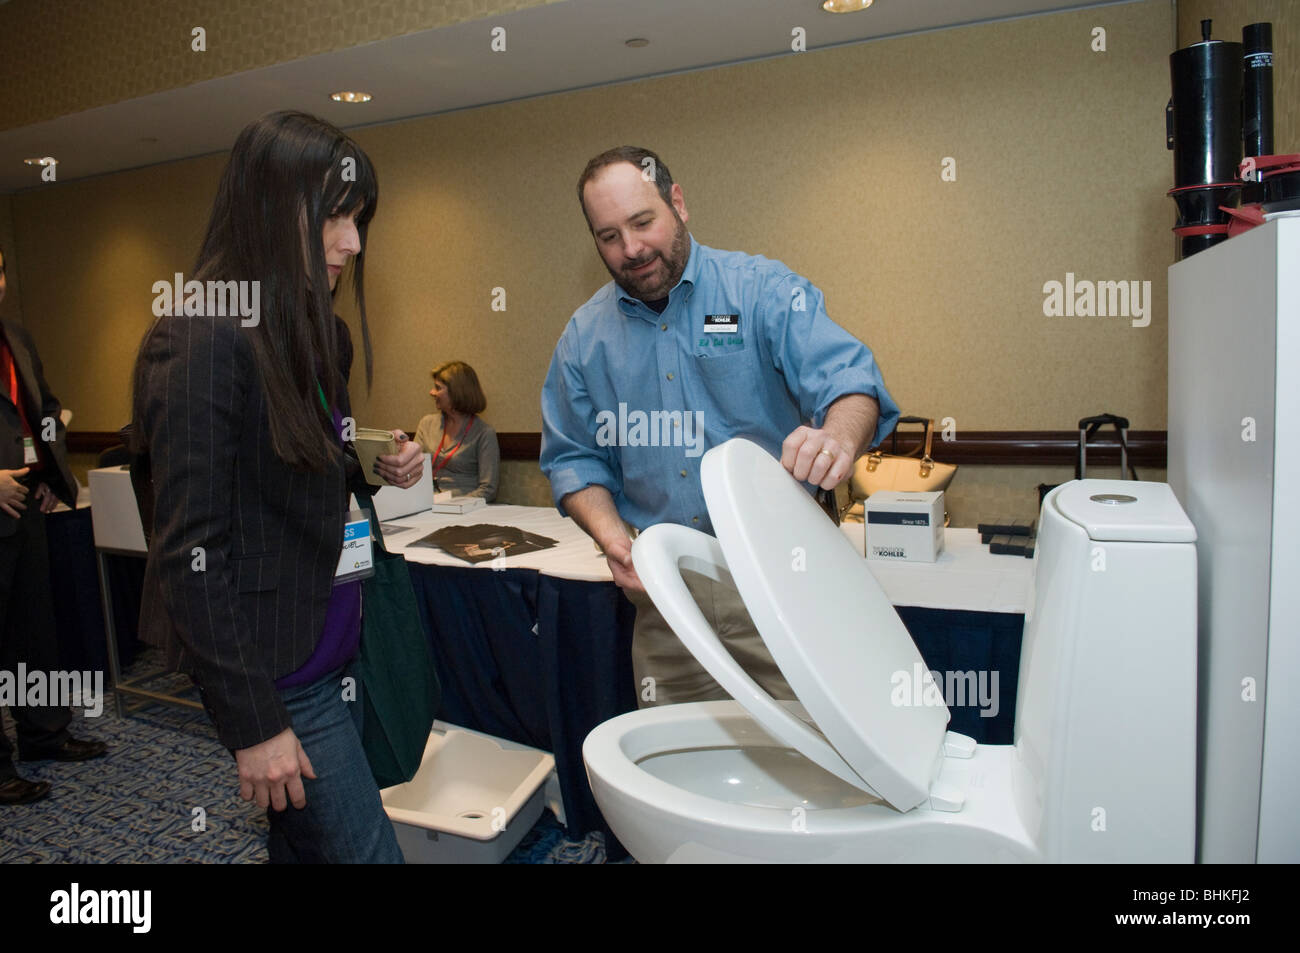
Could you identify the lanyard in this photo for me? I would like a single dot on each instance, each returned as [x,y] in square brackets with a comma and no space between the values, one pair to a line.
[438,468]
[13,380]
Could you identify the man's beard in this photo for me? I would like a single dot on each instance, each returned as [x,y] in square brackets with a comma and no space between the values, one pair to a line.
[648,287]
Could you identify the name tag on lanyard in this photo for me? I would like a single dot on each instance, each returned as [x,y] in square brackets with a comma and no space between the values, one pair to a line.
[357,560]
[29,451]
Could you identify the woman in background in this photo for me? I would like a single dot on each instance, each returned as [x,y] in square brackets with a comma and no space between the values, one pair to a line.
[239,424]
[465,455]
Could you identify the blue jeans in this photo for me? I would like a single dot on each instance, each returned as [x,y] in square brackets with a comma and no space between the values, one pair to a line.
[344,821]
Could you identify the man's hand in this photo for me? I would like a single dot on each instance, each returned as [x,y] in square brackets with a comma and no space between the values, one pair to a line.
[45,496]
[272,769]
[619,556]
[815,456]
[824,457]
[12,493]
[404,467]
[593,509]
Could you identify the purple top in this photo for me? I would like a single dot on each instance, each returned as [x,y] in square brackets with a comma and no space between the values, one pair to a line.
[342,634]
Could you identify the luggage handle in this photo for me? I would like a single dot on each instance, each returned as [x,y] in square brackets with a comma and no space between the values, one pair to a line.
[1088,427]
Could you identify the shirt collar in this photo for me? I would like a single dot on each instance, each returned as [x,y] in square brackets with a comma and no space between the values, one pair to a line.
[635,307]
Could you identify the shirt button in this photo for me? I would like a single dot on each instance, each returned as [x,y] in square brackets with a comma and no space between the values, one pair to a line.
[663,327]
[683,473]
[670,375]
[695,519]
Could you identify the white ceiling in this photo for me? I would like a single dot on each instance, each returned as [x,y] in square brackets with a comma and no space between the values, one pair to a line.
[561,46]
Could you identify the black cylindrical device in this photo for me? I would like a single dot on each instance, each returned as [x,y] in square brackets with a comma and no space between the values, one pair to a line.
[1257,89]
[1205,133]
[1206,111]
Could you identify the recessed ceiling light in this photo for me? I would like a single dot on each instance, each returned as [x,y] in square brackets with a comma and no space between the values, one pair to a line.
[845,6]
[48,160]
[350,96]
[636,41]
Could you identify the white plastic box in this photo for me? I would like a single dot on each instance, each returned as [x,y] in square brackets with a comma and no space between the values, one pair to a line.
[473,799]
[904,526]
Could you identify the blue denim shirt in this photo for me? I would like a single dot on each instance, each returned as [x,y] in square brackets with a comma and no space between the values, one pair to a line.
[744,348]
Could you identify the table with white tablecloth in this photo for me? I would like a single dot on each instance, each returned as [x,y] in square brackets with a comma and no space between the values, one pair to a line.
[965,577]
[575,557]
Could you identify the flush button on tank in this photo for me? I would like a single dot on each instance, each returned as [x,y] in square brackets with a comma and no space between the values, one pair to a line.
[1112,499]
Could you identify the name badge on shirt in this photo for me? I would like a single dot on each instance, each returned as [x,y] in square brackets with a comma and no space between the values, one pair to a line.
[29,451]
[356,561]
[721,323]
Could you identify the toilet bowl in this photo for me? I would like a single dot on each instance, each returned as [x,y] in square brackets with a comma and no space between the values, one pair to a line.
[1102,768]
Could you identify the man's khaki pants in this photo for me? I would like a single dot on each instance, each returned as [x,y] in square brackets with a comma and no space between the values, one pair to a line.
[676,676]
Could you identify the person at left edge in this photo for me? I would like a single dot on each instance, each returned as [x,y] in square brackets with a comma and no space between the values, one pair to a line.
[27,632]
[243,425]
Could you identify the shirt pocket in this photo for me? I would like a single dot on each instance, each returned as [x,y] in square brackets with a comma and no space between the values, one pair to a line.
[732,388]
[723,367]
[256,573]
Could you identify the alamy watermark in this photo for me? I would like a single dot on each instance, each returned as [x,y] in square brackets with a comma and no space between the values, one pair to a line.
[657,428]
[36,688]
[1100,299]
[210,299]
[75,905]
[923,687]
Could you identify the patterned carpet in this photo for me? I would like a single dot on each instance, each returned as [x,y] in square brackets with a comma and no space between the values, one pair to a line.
[166,774]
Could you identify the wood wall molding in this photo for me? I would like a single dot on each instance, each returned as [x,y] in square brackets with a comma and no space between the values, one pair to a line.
[1147,448]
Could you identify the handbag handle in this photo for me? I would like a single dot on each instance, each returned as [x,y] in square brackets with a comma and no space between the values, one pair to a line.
[929,424]
[875,458]
[927,462]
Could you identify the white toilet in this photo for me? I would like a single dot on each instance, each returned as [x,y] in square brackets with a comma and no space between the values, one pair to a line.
[1103,768]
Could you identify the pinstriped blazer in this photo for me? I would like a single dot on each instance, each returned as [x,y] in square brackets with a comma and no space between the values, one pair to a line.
[243,548]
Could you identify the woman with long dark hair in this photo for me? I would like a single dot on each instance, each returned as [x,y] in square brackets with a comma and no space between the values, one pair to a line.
[240,417]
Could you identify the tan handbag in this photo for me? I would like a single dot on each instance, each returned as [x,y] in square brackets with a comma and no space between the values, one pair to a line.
[907,472]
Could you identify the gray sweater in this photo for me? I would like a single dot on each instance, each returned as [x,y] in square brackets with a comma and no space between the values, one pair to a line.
[475,469]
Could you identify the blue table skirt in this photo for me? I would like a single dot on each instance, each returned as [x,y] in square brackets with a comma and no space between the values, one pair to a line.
[74,584]
[985,643]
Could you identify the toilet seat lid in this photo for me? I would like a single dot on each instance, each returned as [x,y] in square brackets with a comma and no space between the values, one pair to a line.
[829,626]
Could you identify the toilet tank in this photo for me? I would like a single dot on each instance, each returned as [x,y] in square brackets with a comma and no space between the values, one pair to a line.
[1105,733]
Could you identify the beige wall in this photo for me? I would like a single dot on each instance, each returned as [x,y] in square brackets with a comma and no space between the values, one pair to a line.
[829,161]
[91,251]
[66,57]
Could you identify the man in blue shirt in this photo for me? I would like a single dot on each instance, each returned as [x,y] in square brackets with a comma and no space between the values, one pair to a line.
[688,347]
